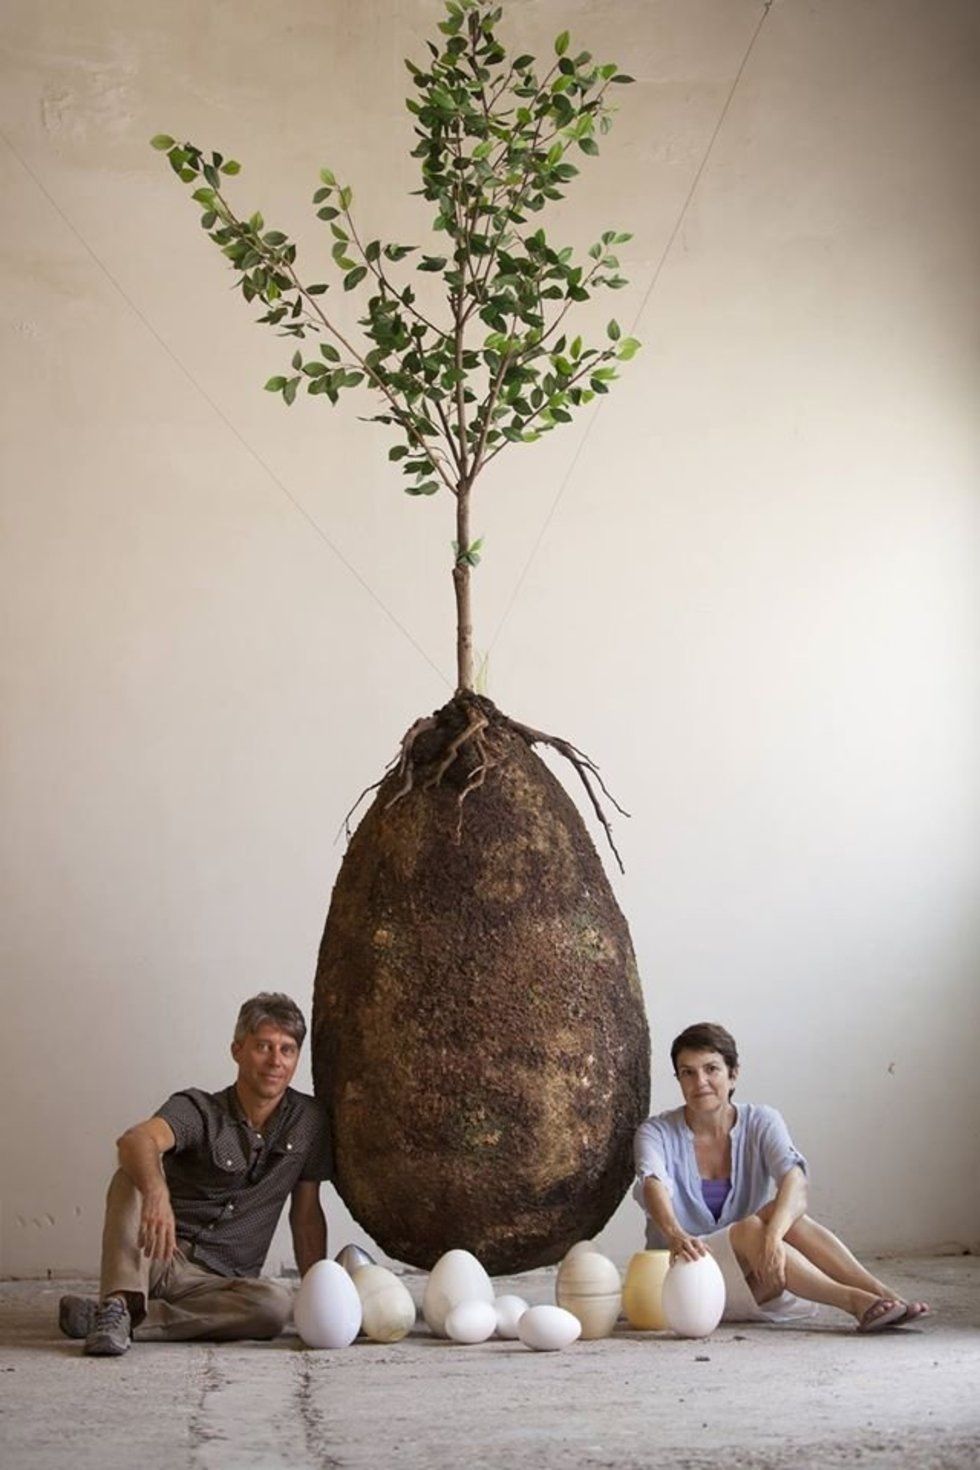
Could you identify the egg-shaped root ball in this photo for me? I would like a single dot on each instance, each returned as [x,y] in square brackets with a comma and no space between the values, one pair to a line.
[386,1303]
[471,1322]
[456,1277]
[548,1329]
[328,1309]
[588,1286]
[643,1290]
[694,1296]
[509,1310]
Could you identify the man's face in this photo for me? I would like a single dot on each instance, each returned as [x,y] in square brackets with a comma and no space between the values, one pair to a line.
[267,1059]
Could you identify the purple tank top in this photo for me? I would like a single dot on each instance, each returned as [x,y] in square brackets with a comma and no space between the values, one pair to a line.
[715,1192]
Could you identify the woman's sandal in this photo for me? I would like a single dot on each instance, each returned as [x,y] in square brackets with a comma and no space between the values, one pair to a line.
[912,1311]
[881,1314]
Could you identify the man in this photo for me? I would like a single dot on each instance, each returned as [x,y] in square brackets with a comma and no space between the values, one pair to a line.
[191,1211]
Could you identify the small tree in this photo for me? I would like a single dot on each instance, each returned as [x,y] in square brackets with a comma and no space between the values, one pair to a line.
[496,365]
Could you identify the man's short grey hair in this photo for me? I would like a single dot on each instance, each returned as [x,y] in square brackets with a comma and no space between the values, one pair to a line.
[272,1007]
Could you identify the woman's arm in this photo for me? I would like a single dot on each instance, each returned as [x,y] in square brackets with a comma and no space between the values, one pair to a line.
[779,1217]
[661,1212]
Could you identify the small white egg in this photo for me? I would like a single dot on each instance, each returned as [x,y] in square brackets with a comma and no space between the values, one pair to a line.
[510,1310]
[328,1309]
[547,1329]
[471,1322]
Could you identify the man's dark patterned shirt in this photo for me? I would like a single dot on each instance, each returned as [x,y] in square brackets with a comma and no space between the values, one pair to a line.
[229,1181]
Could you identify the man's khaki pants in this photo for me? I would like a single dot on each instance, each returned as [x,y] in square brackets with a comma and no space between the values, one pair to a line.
[181,1300]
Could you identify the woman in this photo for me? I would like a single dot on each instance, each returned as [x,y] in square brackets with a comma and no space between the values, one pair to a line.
[704,1175]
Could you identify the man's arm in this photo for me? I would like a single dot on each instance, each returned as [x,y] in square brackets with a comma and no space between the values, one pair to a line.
[308,1225]
[141,1149]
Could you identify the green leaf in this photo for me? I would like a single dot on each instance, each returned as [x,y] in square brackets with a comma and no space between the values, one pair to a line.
[345,196]
[275,385]
[161,142]
[561,43]
[588,145]
[399,452]
[613,331]
[432,263]
[353,278]
[327,212]
[316,290]
[328,177]
[329,351]
[274,237]
[622,77]
[297,359]
[204,196]
[628,348]
[428,488]
[289,391]
[232,166]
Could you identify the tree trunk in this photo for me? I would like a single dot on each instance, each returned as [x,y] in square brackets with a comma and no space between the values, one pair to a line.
[461,586]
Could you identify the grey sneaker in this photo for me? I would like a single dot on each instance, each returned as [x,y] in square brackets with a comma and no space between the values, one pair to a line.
[76,1315]
[111,1331]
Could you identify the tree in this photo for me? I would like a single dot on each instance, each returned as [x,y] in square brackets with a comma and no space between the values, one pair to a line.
[492,363]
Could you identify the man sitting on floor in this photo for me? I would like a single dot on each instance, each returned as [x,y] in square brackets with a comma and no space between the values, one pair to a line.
[192,1208]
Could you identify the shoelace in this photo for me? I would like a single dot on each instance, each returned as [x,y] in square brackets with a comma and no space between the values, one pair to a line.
[110,1312]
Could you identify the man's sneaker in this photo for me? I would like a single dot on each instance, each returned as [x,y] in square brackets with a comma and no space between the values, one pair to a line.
[76,1315]
[111,1331]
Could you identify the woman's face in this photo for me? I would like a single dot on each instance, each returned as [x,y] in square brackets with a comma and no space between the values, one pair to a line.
[705,1080]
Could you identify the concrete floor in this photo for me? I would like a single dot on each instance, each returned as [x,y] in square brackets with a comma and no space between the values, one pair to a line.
[750,1396]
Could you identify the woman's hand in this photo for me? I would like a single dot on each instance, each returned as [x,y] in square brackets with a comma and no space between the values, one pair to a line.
[769,1269]
[685,1247]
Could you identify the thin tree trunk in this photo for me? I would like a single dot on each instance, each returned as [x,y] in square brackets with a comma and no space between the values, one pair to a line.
[461,586]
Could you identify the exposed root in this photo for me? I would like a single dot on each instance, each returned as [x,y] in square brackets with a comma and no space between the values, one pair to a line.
[476,723]
[345,824]
[481,717]
[406,768]
[586,768]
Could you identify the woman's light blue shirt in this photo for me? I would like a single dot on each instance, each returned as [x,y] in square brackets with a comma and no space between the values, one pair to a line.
[762,1152]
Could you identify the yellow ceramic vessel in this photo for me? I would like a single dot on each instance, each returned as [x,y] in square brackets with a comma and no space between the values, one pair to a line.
[642,1290]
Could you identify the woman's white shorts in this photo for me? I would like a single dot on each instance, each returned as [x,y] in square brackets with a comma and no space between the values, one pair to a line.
[740,1304]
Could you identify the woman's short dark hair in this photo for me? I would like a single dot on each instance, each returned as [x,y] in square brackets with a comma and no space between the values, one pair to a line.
[706,1036]
[272,1007]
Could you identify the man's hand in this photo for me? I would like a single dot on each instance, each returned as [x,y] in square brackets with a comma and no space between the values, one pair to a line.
[769,1269]
[158,1231]
[685,1247]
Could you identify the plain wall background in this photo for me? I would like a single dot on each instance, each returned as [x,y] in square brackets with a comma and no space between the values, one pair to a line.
[747,583]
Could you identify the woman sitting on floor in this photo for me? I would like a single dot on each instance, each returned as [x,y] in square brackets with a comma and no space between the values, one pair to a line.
[705,1174]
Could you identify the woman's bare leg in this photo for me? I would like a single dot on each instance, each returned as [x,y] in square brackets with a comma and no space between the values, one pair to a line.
[829,1253]
[803,1277]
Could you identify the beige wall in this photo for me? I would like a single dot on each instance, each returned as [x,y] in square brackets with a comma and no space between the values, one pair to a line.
[755,601]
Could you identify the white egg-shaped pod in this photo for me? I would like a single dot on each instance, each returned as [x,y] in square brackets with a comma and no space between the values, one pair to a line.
[353,1257]
[509,1310]
[548,1329]
[693,1296]
[386,1303]
[471,1322]
[328,1309]
[456,1277]
[580,1248]
[589,1287]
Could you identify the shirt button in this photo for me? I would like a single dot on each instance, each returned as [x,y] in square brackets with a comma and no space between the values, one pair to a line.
[289,1145]
[231,1207]
[228,1162]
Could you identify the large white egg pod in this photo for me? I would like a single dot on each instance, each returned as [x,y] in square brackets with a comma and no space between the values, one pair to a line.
[456,1277]
[386,1303]
[328,1309]
[693,1296]
[589,1287]
[548,1329]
